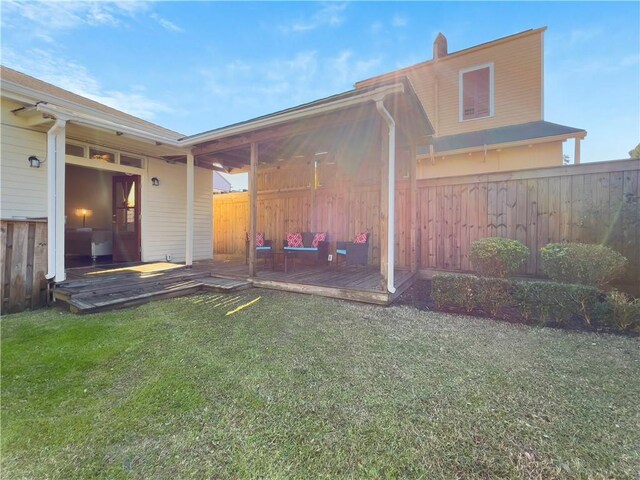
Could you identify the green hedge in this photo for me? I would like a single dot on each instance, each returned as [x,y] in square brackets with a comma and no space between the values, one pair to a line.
[470,293]
[583,263]
[536,302]
[543,302]
[497,256]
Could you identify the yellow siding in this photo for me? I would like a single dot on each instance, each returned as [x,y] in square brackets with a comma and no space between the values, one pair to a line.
[164,219]
[516,158]
[23,189]
[517,84]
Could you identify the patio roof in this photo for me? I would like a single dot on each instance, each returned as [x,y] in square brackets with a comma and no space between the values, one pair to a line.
[313,126]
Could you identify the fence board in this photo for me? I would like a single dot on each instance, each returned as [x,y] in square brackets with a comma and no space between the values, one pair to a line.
[585,203]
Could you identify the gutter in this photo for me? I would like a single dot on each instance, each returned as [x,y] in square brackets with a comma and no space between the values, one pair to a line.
[391,125]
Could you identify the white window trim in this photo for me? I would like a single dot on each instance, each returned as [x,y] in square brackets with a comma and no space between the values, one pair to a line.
[116,156]
[460,92]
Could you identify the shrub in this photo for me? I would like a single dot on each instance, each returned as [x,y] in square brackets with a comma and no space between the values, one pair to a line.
[470,293]
[497,256]
[587,264]
[620,312]
[549,302]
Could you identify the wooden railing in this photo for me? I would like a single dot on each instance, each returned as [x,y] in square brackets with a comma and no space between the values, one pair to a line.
[23,261]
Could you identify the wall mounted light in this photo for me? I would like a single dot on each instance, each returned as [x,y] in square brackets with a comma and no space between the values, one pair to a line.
[155,181]
[34,162]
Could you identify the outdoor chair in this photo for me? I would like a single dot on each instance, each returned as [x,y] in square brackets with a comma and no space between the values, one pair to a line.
[263,247]
[355,252]
[306,245]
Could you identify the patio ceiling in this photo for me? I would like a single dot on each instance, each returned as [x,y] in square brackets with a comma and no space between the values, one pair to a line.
[326,125]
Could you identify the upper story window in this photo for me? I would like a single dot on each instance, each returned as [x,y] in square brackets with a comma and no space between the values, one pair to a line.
[476,92]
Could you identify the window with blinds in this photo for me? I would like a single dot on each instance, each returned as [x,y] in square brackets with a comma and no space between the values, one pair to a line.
[476,96]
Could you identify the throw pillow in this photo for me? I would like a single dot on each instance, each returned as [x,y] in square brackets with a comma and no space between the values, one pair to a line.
[259,239]
[318,237]
[294,239]
[361,238]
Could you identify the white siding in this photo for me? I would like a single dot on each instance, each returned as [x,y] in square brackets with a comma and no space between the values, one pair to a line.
[164,213]
[23,190]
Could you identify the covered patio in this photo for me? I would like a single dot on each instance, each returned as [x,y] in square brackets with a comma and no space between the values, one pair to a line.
[341,165]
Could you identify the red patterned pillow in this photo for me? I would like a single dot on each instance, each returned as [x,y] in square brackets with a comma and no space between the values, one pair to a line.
[361,238]
[294,239]
[259,239]
[318,237]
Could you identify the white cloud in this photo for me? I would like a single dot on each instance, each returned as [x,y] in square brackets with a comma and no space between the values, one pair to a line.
[72,76]
[68,15]
[399,21]
[267,86]
[166,24]
[330,14]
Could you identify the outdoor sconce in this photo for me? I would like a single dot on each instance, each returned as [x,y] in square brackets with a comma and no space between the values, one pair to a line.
[34,162]
[155,181]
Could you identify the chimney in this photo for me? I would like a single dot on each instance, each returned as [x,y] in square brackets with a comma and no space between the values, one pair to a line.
[439,47]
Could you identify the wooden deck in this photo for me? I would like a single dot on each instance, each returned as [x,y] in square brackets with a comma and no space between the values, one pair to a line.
[358,283]
[94,289]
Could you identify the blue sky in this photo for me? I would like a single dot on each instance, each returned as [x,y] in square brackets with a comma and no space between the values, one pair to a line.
[194,66]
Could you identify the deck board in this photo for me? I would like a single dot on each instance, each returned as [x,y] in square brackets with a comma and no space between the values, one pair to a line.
[99,288]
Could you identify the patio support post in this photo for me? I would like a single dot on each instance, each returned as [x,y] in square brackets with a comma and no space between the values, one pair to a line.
[576,153]
[56,138]
[387,264]
[190,180]
[413,208]
[253,198]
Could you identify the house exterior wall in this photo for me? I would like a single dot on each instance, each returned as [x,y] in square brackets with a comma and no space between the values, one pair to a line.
[517,64]
[164,216]
[23,189]
[23,192]
[507,159]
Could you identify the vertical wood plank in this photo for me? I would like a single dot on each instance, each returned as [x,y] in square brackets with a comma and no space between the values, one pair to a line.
[465,244]
[18,267]
[5,267]
[543,220]
[414,242]
[532,226]
[492,209]
[253,200]
[565,209]
[501,209]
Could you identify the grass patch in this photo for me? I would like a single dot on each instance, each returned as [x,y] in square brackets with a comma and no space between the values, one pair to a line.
[306,387]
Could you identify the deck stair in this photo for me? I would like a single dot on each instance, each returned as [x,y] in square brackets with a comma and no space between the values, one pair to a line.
[99,291]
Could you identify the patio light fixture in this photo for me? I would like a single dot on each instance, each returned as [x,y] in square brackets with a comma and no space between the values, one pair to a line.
[34,162]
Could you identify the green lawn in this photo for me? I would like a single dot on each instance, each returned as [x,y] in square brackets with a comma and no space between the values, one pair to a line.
[303,387]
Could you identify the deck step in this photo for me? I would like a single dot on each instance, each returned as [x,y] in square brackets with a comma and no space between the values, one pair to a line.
[104,294]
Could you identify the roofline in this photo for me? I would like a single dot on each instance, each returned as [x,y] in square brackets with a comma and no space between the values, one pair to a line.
[21,93]
[491,43]
[516,143]
[294,114]
[97,120]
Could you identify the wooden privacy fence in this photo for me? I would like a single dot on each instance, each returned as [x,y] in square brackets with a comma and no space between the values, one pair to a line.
[23,261]
[591,203]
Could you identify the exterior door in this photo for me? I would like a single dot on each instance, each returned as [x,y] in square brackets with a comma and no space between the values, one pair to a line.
[126,218]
